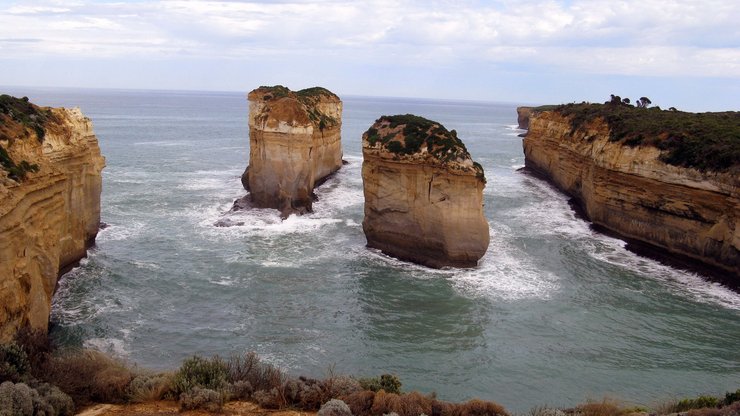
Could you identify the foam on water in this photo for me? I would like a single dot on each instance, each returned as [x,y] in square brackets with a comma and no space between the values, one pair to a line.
[112,346]
[552,215]
[116,232]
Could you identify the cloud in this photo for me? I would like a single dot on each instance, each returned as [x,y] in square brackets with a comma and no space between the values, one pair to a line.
[643,37]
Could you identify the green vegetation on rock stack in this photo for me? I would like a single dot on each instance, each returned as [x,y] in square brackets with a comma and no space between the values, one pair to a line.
[309,97]
[704,141]
[417,132]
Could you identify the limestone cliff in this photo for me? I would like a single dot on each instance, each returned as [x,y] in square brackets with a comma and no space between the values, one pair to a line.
[50,186]
[522,116]
[423,193]
[295,143]
[623,183]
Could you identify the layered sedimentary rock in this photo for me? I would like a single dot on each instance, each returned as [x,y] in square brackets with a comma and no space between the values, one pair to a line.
[295,143]
[522,116]
[630,190]
[50,186]
[423,193]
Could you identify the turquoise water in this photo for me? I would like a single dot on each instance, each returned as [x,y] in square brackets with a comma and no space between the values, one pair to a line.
[555,313]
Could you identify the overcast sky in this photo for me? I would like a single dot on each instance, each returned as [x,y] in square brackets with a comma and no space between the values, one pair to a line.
[679,53]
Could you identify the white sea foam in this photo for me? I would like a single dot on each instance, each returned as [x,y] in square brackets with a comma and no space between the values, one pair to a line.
[146,265]
[113,346]
[202,183]
[552,215]
[506,272]
[223,281]
[118,232]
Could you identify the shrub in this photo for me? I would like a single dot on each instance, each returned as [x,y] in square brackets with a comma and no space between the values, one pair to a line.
[731,397]
[15,399]
[241,390]
[147,387]
[306,393]
[605,407]
[340,386]
[89,376]
[697,403]
[38,348]
[14,363]
[200,372]
[335,407]
[360,402]
[51,401]
[412,404]
[387,382]
[270,399]
[205,399]
[248,367]
[478,407]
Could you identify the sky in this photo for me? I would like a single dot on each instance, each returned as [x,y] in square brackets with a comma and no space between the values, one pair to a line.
[679,53]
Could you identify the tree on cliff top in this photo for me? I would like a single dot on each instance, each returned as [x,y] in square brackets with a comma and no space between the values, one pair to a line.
[643,102]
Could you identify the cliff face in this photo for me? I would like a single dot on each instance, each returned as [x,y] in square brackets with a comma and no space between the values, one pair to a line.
[630,191]
[295,143]
[50,213]
[423,194]
[522,116]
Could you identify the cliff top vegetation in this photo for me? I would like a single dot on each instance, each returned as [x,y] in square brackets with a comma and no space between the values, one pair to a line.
[20,110]
[18,118]
[704,141]
[418,133]
[309,97]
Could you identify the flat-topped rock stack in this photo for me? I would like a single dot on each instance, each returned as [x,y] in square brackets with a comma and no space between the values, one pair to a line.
[423,193]
[295,144]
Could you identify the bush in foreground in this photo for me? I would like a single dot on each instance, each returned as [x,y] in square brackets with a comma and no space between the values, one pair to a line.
[335,407]
[203,399]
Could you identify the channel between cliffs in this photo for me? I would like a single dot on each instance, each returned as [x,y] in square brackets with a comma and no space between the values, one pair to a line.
[629,191]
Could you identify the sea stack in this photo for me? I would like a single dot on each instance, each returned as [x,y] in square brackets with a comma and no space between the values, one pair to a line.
[50,186]
[661,179]
[423,193]
[295,144]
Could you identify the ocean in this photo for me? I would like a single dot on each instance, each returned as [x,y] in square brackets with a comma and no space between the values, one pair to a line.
[555,313]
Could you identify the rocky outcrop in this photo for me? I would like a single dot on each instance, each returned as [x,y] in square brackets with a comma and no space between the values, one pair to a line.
[522,117]
[423,193]
[50,186]
[630,191]
[295,143]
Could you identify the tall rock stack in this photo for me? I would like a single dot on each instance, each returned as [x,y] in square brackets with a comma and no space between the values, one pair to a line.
[423,193]
[50,186]
[295,143]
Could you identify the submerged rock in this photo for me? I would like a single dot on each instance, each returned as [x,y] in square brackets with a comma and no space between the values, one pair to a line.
[295,143]
[50,186]
[423,193]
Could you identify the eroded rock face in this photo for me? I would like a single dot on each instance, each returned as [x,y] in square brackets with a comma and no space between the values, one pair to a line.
[295,143]
[628,190]
[522,116]
[423,194]
[49,214]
